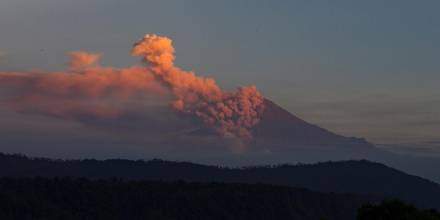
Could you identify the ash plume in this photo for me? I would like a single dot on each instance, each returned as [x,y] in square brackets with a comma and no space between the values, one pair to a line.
[89,89]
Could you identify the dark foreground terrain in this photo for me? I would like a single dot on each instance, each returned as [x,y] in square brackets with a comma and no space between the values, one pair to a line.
[67,198]
[395,210]
[358,177]
[80,198]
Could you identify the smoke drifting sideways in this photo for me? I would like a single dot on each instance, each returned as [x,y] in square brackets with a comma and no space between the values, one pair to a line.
[87,89]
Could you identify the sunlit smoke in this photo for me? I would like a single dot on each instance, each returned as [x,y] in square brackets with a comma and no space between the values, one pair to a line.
[88,89]
[231,113]
[81,59]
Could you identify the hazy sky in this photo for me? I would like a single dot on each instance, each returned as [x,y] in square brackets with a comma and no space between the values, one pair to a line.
[359,68]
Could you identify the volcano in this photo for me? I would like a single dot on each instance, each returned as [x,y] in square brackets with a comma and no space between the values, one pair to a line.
[282,137]
[281,129]
[280,125]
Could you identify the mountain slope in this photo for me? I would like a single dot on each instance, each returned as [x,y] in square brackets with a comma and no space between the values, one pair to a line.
[281,131]
[360,177]
[277,123]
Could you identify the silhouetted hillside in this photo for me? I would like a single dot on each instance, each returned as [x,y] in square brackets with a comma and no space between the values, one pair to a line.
[66,198]
[362,177]
[395,210]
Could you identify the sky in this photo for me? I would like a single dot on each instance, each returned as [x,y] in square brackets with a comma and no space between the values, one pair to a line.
[359,68]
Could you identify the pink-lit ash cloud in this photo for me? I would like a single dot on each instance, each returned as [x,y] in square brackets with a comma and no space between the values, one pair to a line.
[89,89]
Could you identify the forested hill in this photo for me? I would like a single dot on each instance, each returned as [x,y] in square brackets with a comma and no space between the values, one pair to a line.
[361,177]
[67,198]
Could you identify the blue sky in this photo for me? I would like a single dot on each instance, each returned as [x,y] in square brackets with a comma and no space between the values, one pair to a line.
[359,68]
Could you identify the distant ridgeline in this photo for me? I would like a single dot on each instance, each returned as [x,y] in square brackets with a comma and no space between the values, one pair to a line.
[359,177]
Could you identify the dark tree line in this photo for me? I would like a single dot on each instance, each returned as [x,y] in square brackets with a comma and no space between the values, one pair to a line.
[79,198]
[359,177]
[395,210]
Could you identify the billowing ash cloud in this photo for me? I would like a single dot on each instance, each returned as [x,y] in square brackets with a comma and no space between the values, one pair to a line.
[87,89]
[232,113]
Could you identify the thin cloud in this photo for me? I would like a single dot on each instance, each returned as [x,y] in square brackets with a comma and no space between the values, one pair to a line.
[425,149]
[3,54]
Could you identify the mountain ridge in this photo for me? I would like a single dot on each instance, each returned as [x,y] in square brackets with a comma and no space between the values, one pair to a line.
[360,177]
